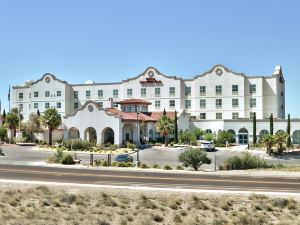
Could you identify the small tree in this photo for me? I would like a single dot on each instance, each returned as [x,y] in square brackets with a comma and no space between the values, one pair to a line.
[4,116]
[165,126]
[288,131]
[271,124]
[280,139]
[198,133]
[32,126]
[175,128]
[254,129]
[3,134]
[223,137]
[12,121]
[194,158]
[51,119]
[268,141]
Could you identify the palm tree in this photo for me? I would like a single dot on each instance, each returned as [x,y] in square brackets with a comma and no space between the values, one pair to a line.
[165,126]
[268,141]
[280,139]
[51,119]
[12,121]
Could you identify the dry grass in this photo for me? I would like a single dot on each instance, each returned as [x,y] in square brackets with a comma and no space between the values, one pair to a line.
[22,205]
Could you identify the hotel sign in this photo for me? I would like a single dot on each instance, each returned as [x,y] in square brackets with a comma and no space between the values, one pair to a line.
[151,81]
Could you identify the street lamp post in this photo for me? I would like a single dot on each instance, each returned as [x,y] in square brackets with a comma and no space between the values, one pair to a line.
[137,162]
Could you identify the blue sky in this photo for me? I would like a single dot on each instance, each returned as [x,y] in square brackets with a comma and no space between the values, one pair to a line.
[113,40]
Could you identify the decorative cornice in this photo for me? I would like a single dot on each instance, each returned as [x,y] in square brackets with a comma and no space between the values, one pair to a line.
[97,107]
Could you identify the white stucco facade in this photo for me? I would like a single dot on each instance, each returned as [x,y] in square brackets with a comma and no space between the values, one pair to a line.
[218,99]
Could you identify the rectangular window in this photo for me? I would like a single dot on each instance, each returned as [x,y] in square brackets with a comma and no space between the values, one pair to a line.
[235,103]
[157,104]
[76,105]
[20,107]
[47,94]
[47,105]
[252,102]
[143,92]
[202,116]
[218,89]
[58,93]
[20,96]
[115,92]
[100,104]
[30,95]
[36,105]
[235,89]
[202,103]
[58,105]
[172,103]
[157,92]
[218,116]
[252,88]
[171,91]
[187,104]
[100,93]
[235,115]
[251,115]
[88,94]
[76,94]
[36,94]
[188,91]
[282,93]
[115,105]
[202,90]
[218,103]
[129,93]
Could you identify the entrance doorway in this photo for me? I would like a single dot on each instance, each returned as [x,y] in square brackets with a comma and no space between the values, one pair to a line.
[243,136]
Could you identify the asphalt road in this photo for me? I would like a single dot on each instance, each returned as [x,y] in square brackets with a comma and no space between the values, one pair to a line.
[151,179]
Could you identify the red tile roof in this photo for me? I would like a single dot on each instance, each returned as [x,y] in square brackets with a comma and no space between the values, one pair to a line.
[143,116]
[134,101]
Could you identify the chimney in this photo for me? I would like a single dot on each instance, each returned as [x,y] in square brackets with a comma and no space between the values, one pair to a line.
[278,70]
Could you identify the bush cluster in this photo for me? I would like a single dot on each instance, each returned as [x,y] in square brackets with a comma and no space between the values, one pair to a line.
[59,156]
[122,164]
[77,145]
[244,162]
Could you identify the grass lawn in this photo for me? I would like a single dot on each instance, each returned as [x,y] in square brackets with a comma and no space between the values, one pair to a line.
[28,204]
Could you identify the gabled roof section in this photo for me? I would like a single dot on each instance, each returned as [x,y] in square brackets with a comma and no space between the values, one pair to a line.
[150,68]
[107,111]
[134,101]
[30,83]
[218,66]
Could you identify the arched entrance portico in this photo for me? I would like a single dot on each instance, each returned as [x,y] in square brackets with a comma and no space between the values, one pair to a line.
[243,136]
[90,135]
[296,137]
[262,133]
[108,136]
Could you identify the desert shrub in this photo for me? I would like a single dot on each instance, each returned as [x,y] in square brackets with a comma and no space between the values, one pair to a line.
[193,158]
[130,145]
[77,145]
[157,218]
[144,166]
[100,162]
[245,161]
[178,167]
[68,198]
[167,167]
[68,159]
[56,157]
[156,166]
[158,144]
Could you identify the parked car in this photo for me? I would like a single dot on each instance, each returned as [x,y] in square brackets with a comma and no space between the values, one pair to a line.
[124,158]
[207,145]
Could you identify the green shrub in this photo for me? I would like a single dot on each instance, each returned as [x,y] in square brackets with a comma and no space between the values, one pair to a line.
[57,157]
[156,166]
[178,167]
[77,145]
[158,144]
[67,159]
[244,162]
[130,145]
[100,162]
[144,166]
[167,167]
[194,158]
[3,134]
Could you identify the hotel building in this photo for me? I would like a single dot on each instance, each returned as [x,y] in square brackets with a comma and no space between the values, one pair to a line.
[218,99]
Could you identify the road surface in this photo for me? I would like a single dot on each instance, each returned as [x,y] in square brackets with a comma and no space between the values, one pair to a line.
[151,179]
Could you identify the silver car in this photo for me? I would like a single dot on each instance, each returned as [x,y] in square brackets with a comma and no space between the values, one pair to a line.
[207,145]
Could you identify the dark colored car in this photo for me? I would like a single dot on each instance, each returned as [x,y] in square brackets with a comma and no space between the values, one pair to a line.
[124,158]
